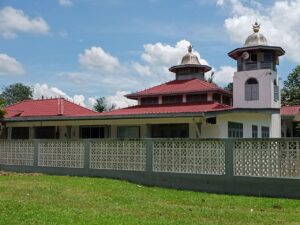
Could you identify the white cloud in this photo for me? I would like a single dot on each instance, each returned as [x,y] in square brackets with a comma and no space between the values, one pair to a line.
[13,21]
[97,60]
[44,91]
[65,2]
[280,23]
[224,75]
[10,66]
[119,100]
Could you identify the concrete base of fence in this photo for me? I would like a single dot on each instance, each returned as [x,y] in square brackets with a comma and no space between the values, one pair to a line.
[254,186]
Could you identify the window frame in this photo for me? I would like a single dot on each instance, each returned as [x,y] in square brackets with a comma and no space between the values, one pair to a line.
[251,89]
[235,129]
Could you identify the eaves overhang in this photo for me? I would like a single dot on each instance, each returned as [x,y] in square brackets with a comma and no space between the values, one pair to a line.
[236,52]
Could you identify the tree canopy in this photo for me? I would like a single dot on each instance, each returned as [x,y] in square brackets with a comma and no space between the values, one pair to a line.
[290,93]
[15,93]
[229,87]
[2,111]
[101,105]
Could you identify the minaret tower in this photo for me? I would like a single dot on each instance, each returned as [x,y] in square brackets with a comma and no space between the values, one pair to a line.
[190,67]
[255,84]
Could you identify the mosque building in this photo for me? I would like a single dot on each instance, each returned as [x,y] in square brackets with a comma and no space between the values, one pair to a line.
[187,107]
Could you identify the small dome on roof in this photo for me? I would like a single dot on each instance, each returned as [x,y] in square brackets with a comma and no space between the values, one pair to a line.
[256,38]
[190,57]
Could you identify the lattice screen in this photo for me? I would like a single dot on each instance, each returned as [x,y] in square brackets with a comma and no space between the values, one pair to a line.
[118,155]
[190,156]
[17,153]
[267,158]
[61,154]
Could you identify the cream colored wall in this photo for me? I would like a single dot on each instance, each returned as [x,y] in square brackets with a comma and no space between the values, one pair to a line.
[220,130]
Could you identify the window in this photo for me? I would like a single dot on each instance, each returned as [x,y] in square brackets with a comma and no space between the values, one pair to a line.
[226,100]
[276,91]
[268,57]
[170,131]
[46,133]
[254,131]
[196,98]
[128,132]
[265,132]
[253,57]
[20,133]
[216,97]
[251,89]
[149,101]
[235,130]
[172,99]
[92,132]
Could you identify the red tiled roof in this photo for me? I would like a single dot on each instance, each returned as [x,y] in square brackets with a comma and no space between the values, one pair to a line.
[290,110]
[47,107]
[179,86]
[168,108]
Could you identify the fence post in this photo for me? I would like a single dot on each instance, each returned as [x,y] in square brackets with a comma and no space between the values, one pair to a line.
[36,153]
[87,146]
[229,157]
[149,155]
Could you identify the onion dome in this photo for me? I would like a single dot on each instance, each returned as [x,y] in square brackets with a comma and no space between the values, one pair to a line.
[190,60]
[190,57]
[256,38]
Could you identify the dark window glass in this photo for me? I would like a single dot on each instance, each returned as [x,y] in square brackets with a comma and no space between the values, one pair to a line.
[253,57]
[196,98]
[265,132]
[216,97]
[268,57]
[170,131]
[92,132]
[149,100]
[235,130]
[254,131]
[20,133]
[46,133]
[172,99]
[226,100]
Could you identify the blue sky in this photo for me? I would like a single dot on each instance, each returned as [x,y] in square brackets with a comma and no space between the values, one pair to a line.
[83,49]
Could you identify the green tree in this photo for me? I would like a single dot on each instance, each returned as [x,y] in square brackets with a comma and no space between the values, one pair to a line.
[229,87]
[15,93]
[2,111]
[290,93]
[101,105]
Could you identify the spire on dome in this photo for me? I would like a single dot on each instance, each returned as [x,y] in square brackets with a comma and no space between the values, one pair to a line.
[256,27]
[190,49]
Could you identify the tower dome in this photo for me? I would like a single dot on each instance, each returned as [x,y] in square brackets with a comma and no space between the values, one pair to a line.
[256,38]
[190,58]
[190,67]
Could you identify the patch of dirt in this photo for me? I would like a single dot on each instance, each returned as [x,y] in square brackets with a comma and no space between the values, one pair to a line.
[5,173]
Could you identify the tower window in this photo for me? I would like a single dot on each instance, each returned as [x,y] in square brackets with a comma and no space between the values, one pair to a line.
[276,91]
[251,90]
[253,57]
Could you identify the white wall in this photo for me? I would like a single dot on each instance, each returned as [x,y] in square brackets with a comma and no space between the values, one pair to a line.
[265,78]
[220,130]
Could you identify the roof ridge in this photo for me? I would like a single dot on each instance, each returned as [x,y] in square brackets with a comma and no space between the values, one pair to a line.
[146,89]
[79,105]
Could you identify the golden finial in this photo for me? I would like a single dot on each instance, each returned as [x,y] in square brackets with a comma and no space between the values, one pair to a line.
[190,49]
[256,27]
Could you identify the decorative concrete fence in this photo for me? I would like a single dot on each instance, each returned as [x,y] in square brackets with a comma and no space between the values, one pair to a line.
[269,167]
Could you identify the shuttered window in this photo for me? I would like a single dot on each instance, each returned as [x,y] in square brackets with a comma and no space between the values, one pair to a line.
[251,90]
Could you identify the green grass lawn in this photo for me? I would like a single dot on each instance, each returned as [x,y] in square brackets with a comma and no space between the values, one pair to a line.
[43,199]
